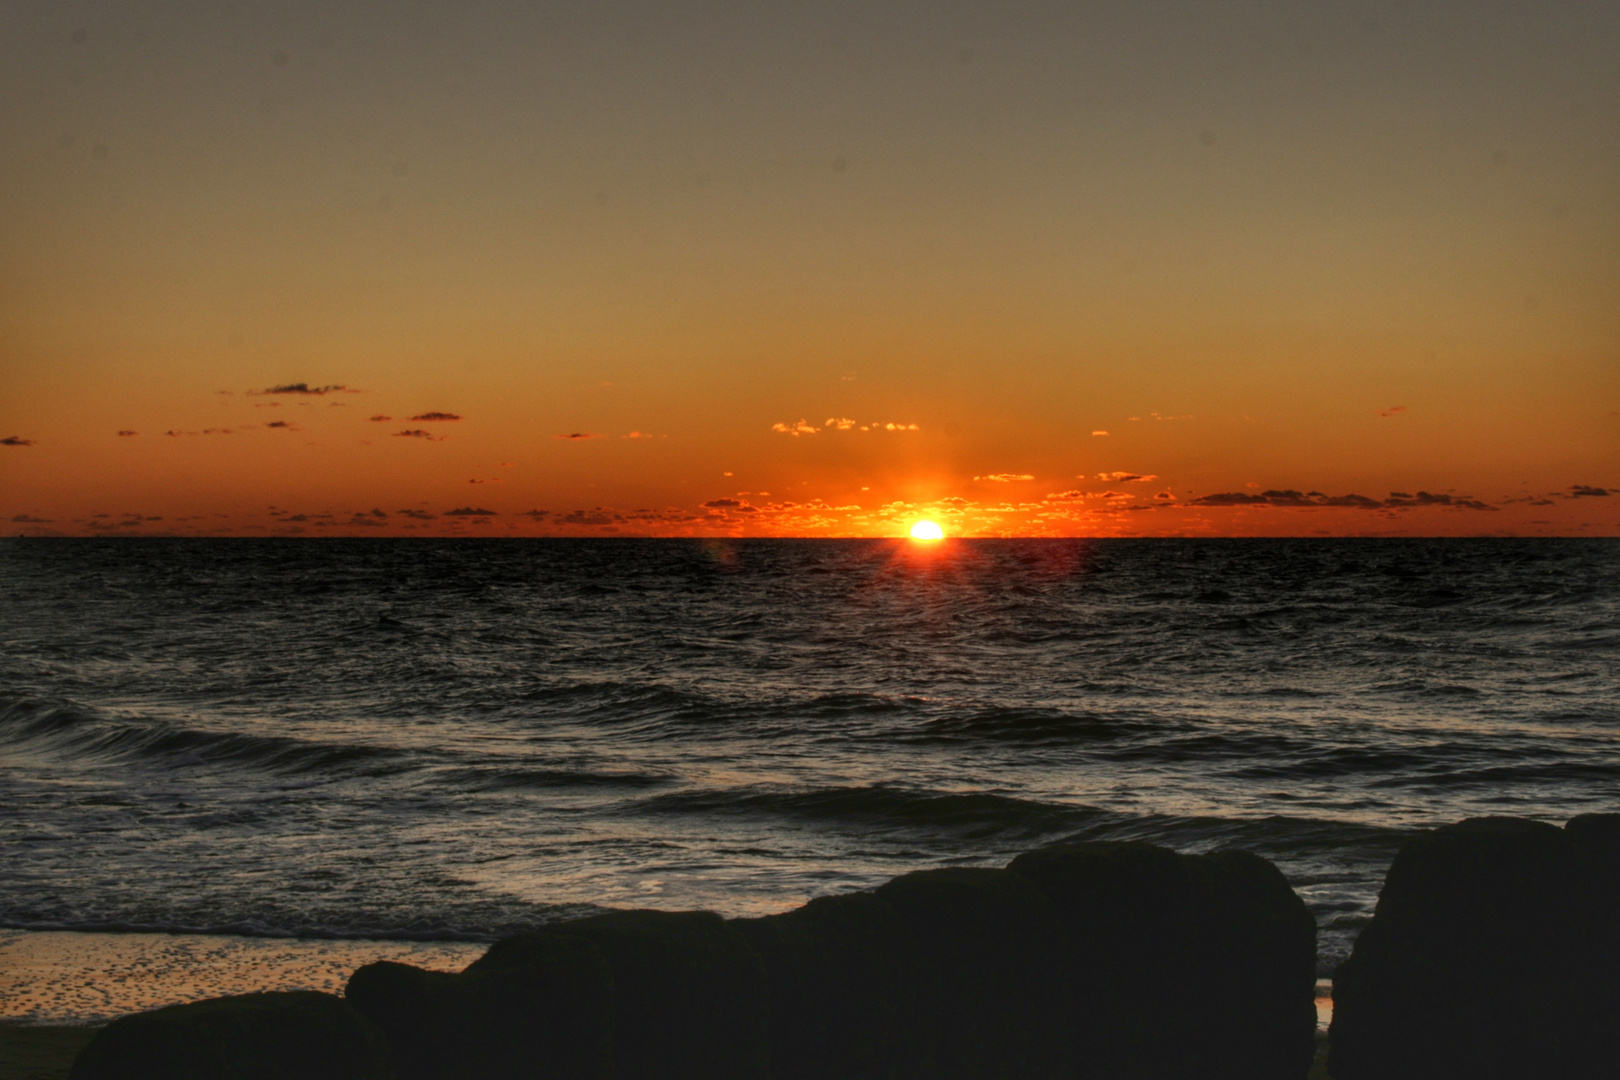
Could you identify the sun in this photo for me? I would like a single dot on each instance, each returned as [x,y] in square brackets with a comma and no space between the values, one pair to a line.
[927,530]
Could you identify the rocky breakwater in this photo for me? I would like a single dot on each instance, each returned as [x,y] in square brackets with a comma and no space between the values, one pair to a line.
[1076,962]
[1492,955]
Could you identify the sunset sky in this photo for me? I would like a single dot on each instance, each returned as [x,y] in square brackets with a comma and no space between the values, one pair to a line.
[1208,267]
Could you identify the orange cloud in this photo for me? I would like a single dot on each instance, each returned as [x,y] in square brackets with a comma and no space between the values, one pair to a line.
[803,427]
[1099,432]
[1005,477]
[1126,477]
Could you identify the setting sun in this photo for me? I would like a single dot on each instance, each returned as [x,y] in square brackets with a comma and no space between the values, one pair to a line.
[927,530]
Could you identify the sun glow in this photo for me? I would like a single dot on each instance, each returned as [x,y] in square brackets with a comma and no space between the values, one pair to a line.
[927,530]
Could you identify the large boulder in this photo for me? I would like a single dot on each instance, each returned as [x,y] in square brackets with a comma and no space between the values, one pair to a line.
[984,950]
[1485,958]
[841,988]
[630,995]
[534,1007]
[1180,965]
[251,1037]
[691,1001]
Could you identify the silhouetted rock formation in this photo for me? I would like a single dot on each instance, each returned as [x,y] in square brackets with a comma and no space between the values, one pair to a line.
[632,995]
[1064,966]
[251,1037]
[1490,955]
[536,1005]
[841,983]
[1222,933]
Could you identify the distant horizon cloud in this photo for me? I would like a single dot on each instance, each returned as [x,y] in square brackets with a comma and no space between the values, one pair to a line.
[579,436]
[1125,477]
[16,440]
[380,419]
[126,433]
[303,389]
[1005,477]
[1290,498]
[1099,432]
[1586,491]
[418,433]
[435,417]
[803,427]
[469,511]
[1391,410]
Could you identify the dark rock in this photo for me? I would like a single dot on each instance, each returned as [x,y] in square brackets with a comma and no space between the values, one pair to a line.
[252,1037]
[691,1001]
[986,962]
[840,988]
[533,1006]
[1222,934]
[1483,959]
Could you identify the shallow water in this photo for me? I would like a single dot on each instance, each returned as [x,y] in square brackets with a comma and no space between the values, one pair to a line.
[458,739]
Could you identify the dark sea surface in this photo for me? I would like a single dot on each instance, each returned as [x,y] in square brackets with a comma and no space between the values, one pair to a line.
[461,739]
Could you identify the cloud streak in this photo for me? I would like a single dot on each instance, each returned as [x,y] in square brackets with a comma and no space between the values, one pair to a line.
[16,440]
[305,390]
[435,418]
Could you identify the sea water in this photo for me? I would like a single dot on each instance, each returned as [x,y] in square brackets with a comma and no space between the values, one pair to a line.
[442,741]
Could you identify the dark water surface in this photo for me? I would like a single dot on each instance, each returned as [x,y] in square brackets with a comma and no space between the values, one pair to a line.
[463,738]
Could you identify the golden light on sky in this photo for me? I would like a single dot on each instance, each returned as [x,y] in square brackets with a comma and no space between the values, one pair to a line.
[1026,268]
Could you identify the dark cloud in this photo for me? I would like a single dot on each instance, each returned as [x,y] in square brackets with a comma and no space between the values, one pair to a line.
[280,424]
[419,515]
[537,514]
[16,440]
[1397,500]
[722,504]
[418,433]
[306,389]
[575,435]
[435,417]
[469,511]
[381,419]
[126,433]
[1586,491]
[24,519]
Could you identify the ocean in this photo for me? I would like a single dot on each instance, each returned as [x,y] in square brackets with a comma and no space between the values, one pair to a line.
[445,741]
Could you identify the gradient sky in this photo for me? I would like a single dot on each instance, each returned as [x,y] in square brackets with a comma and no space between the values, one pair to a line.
[1035,268]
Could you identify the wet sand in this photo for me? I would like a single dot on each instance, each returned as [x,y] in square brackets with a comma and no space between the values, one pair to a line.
[67,978]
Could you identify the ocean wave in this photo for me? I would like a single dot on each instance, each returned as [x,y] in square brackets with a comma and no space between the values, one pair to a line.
[90,736]
[976,814]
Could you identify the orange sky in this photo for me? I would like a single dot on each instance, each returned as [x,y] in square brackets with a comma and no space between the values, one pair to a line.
[1151,269]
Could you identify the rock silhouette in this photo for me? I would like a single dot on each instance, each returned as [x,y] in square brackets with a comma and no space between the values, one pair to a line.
[1490,955]
[251,1037]
[535,1005]
[1060,967]
[1222,932]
